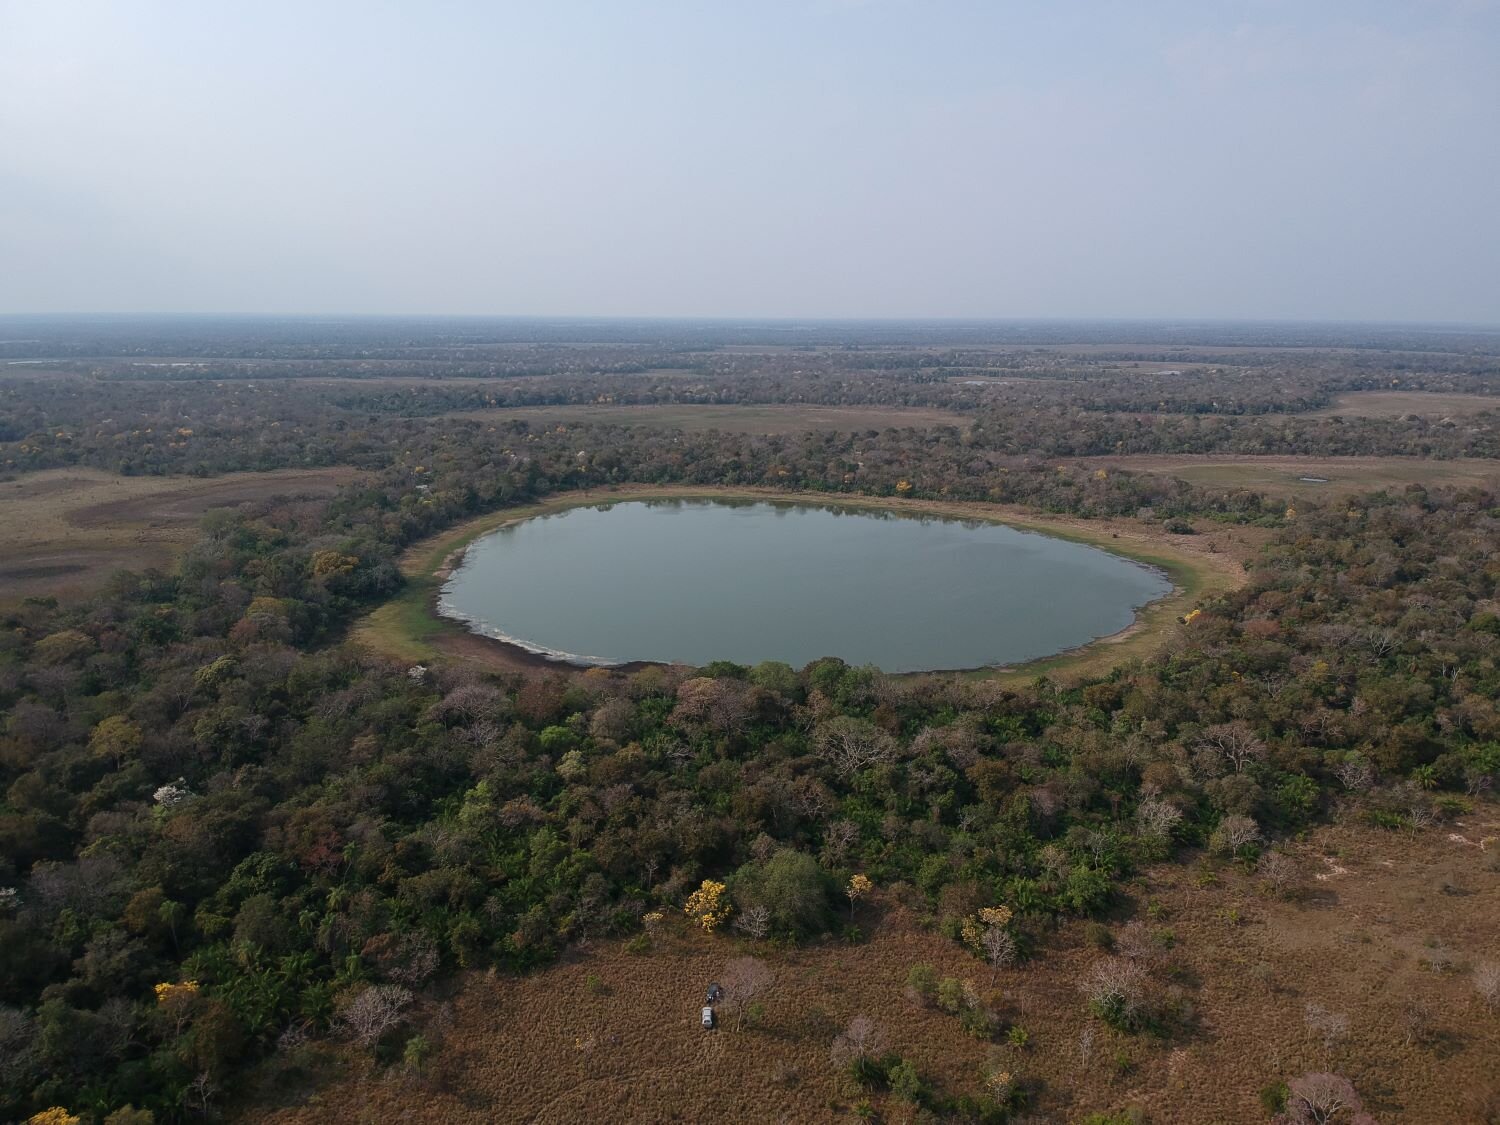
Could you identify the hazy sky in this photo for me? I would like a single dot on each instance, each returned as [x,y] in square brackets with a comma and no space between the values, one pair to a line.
[1246,158]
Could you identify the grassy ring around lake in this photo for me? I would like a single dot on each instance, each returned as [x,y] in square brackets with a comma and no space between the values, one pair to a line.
[408,628]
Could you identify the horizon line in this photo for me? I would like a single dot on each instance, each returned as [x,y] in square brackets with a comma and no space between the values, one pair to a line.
[737,318]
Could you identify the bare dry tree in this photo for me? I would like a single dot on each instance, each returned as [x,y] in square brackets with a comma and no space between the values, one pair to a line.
[1232,743]
[408,959]
[1116,989]
[374,1012]
[1086,1045]
[1134,943]
[1421,815]
[1415,1022]
[1235,833]
[201,1093]
[1355,774]
[1438,958]
[1381,642]
[1331,1026]
[850,744]
[859,1041]
[1156,817]
[1278,873]
[754,921]
[999,949]
[1487,983]
[1319,1099]
[745,978]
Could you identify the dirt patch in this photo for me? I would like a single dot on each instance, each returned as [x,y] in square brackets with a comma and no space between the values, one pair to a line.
[68,530]
[553,1047]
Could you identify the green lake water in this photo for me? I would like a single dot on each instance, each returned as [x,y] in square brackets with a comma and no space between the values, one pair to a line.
[695,581]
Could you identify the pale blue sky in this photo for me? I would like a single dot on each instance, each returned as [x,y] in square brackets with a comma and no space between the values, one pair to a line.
[1262,158]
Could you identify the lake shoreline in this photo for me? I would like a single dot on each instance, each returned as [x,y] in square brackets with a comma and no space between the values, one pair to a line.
[534,654]
[409,628]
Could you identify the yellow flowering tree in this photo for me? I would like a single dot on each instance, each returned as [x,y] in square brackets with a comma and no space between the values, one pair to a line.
[995,915]
[169,993]
[987,936]
[54,1116]
[1000,1085]
[175,1001]
[707,906]
[859,886]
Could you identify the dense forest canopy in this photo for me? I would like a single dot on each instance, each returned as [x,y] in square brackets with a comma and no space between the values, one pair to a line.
[223,825]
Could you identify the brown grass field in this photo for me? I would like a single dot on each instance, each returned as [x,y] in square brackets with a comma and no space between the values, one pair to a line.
[1384,923]
[1282,475]
[68,530]
[1398,404]
[747,419]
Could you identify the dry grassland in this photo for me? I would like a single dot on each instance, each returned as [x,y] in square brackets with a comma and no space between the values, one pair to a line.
[68,530]
[1282,476]
[1398,404]
[1387,924]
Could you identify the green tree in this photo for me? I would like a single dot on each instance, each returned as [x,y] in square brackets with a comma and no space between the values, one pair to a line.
[793,888]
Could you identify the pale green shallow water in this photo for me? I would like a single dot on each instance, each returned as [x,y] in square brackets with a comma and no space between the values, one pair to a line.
[695,581]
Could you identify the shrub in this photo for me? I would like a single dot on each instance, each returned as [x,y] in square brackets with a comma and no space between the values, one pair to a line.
[1273,1097]
[950,995]
[1116,989]
[922,984]
[905,1082]
[978,1021]
[415,1054]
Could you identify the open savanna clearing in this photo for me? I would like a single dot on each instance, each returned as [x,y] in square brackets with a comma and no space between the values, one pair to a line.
[68,530]
[738,419]
[407,628]
[1398,404]
[1382,936]
[1328,476]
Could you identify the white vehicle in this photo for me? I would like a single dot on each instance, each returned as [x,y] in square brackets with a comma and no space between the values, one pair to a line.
[708,1019]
